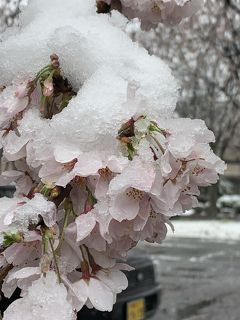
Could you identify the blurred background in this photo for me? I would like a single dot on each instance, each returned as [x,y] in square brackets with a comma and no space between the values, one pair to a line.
[198,266]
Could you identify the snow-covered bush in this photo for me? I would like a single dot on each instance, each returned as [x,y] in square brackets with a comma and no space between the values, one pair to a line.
[100,163]
[229,201]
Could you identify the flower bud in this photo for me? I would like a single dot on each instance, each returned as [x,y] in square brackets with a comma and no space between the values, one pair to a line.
[55,192]
[55,60]
[68,204]
[45,263]
[48,87]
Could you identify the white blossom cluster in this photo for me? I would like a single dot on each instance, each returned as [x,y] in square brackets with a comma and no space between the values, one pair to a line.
[100,163]
[151,12]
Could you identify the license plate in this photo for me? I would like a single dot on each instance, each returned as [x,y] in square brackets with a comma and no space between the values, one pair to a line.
[136,310]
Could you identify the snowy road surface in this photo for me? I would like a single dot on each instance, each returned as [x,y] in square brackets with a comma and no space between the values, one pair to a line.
[206,229]
[200,279]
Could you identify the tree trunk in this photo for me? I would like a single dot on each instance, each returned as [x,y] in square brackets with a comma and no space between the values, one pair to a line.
[213,196]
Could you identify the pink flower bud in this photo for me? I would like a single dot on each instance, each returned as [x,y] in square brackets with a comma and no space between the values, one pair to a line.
[48,87]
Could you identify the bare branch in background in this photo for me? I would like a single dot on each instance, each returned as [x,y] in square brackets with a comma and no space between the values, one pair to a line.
[205,56]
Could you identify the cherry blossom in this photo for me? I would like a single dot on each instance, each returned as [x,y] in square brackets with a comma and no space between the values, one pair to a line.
[99,289]
[98,161]
[128,190]
[151,12]
[13,100]
[23,178]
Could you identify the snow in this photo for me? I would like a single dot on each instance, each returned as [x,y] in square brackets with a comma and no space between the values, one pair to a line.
[232,201]
[124,78]
[207,229]
[19,213]
[46,299]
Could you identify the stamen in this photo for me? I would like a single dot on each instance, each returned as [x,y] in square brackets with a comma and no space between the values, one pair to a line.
[105,173]
[197,170]
[135,194]
[156,7]
[70,165]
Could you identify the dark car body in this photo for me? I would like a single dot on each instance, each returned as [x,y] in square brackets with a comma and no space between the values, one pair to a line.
[7,191]
[139,301]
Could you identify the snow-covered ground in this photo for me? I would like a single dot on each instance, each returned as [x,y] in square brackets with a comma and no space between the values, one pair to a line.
[209,229]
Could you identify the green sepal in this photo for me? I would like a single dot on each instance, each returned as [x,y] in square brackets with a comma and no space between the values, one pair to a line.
[11,238]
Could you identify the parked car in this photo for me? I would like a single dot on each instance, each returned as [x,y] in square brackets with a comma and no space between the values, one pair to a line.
[139,302]
[7,191]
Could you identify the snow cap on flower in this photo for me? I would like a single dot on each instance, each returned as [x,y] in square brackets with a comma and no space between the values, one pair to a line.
[19,213]
[45,299]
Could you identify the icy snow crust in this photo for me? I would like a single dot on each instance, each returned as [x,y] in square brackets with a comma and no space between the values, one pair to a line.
[46,299]
[114,77]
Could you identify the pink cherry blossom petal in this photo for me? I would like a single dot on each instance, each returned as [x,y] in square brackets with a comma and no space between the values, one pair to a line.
[100,295]
[85,224]
[124,207]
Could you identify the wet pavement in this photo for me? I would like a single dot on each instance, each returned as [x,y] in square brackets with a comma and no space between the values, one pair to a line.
[200,279]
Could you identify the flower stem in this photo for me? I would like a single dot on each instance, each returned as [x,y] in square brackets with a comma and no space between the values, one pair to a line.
[158,144]
[55,260]
[65,224]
